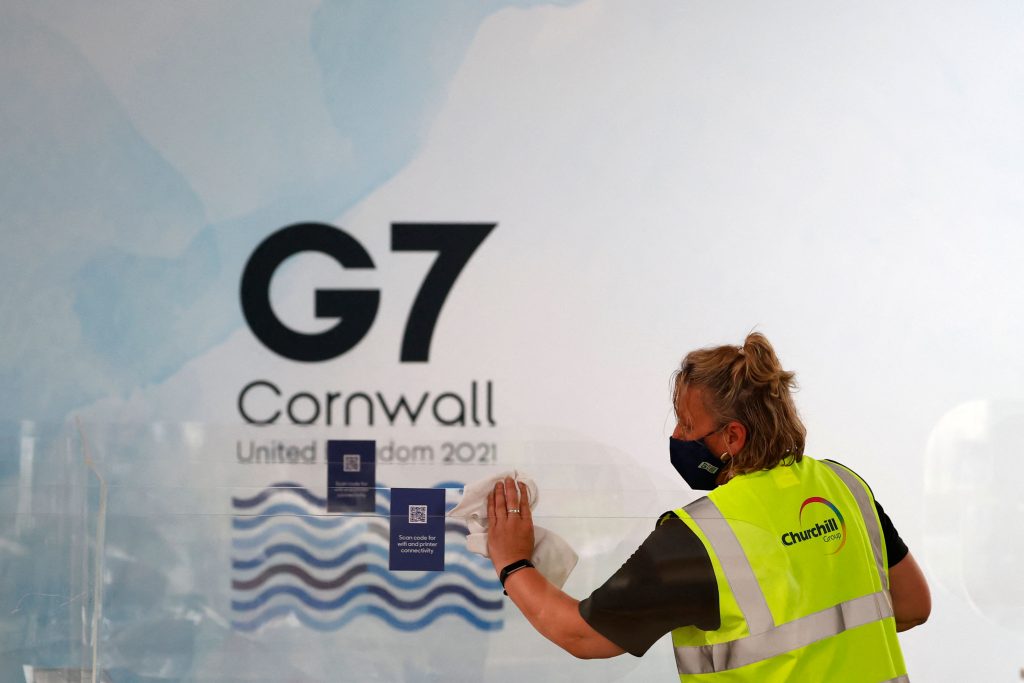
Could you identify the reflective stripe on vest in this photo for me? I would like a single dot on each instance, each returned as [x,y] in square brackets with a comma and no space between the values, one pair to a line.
[868,512]
[768,640]
[782,639]
[735,564]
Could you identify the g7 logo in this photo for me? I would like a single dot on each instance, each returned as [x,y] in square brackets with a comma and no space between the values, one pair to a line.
[355,309]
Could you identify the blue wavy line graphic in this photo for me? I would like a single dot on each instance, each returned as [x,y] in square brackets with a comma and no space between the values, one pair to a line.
[313,499]
[298,489]
[353,531]
[322,543]
[348,575]
[324,563]
[280,487]
[370,610]
[378,591]
[304,555]
[242,523]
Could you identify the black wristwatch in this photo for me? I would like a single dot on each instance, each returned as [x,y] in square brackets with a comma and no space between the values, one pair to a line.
[512,569]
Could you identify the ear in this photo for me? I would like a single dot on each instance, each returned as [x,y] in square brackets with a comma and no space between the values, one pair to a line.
[735,437]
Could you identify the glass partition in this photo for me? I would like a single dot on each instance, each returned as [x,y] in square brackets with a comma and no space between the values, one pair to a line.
[190,552]
[52,549]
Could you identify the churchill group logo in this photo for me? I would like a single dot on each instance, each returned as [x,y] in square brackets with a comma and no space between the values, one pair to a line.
[829,526]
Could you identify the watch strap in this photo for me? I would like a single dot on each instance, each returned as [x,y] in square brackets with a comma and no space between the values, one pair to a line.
[511,569]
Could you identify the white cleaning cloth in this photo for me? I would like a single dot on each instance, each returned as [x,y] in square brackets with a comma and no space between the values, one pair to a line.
[553,557]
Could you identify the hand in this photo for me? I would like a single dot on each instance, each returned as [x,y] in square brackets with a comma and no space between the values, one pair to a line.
[509,534]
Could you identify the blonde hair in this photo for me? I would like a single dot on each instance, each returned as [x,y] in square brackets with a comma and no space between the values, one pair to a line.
[747,384]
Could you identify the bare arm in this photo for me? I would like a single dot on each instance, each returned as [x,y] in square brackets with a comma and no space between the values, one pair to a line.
[911,599]
[554,614]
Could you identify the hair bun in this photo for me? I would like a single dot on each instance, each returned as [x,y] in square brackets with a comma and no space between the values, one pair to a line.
[762,367]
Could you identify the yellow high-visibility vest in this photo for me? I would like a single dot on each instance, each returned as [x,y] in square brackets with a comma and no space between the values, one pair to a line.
[803,582]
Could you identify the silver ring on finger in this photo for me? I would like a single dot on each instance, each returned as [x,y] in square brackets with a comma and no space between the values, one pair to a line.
[515,510]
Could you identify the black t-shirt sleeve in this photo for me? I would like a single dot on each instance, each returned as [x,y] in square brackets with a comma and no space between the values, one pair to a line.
[895,548]
[667,583]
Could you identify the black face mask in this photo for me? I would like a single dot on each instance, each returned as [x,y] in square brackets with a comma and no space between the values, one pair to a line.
[695,463]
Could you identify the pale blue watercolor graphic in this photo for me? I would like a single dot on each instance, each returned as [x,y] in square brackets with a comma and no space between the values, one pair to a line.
[113,276]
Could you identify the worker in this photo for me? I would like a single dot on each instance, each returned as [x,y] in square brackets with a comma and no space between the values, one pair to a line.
[787,570]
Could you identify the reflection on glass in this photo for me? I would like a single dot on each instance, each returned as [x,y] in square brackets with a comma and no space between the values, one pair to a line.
[974,516]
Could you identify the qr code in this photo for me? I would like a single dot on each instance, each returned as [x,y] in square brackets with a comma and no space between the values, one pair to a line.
[351,463]
[417,514]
